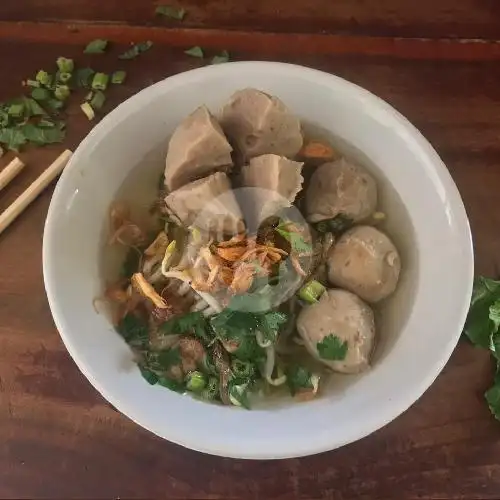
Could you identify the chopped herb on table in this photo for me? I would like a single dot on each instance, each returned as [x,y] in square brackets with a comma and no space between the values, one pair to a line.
[118,77]
[171,12]
[96,46]
[135,50]
[195,52]
[482,329]
[223,57]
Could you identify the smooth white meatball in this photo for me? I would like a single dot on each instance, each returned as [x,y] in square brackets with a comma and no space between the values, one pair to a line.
[340,187]
[345,316]
[366,262]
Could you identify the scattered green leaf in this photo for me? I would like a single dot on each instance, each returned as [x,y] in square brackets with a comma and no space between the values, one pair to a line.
[84,77]
[133,329]
[40,94]
[296,240]
[298,378]
[118,77]
[98,100]
[148,375]
[195,52]
[223,57]
[492,396]
[332,348]
[12,138]
[97,46]
[171,12]
[172,384]
[135,50]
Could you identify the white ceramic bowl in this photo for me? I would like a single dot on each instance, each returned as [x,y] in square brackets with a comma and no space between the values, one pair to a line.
[421,325]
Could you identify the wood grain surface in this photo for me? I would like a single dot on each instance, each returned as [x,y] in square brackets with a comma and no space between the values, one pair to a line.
[60,439]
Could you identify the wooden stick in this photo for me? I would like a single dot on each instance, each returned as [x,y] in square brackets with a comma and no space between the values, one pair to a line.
[10,171]
[34,190]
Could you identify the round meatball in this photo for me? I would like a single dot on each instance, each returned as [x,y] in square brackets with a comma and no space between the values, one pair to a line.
[366,262]
[339,331]
[340,187]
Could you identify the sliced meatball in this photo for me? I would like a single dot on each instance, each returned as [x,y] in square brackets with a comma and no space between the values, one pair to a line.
[197,148]
[366,262]
[339,323]
[208,204]
[340,187]
[274,173]
[260,124]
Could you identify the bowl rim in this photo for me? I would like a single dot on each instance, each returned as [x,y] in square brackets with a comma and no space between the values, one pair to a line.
[385,416]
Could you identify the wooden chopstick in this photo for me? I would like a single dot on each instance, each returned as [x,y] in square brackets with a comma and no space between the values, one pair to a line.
[33,190]
[10,171]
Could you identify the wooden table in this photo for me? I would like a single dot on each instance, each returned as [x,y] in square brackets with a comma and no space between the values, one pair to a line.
[436,61]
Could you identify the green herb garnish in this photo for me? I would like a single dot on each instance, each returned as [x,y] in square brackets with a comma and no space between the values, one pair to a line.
[211,390]
[96,46]
[223,57]
[65,65]
[62,92]
[135,50]
[84,77]
[311,291]
[40,94]
[133,329]
[12,138]
[332,348]
[44,78]
[43,135]
[16,110]
[193,323]
[296,240]
[172,384]
[195,381]
[98,100]
[337,225]
[100,81]
[171,12]
[298,378]
[195,52]
[118,77]
[238,395]
[148,375]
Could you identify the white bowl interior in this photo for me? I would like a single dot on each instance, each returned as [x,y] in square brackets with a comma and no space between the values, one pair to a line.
[418,328]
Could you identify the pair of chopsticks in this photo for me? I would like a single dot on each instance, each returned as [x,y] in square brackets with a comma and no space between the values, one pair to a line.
[33,190]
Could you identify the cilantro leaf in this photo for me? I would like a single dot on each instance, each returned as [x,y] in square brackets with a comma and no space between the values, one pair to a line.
[32,108]
[172,384]
[492,396]
[296,240]
[97,46]
[270,323]
[13,138]
[298,378]
[133,329]
[332,348]
[494,315]
[42,135]
[148,375]
[479,327]
[192,323]
[169,11]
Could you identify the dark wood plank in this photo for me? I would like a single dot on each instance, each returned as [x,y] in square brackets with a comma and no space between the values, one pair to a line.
[408,18]
[60,439]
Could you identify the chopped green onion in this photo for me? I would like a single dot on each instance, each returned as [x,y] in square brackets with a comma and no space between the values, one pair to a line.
[98,100]
[311,291]
[16,110]
[211,390]
[87,109]
[96,46]
[242,369]
[118,77]
[238,395]
[223,57]
[84,77]
[63,77]
[4,119]
[100,81]
[65,65]
[195,381]
[195,52]
[89,96]
[40,94]
[44,78]
[135,50]
[62,92]
[32,83]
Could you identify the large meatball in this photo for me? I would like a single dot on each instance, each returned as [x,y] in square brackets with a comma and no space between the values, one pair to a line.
[340,187]
[366,262]
[261,124]
[339,323]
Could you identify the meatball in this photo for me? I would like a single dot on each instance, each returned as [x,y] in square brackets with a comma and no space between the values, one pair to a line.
[261,124]
[198,147]
[341,318]
[340,187]
[366,262]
